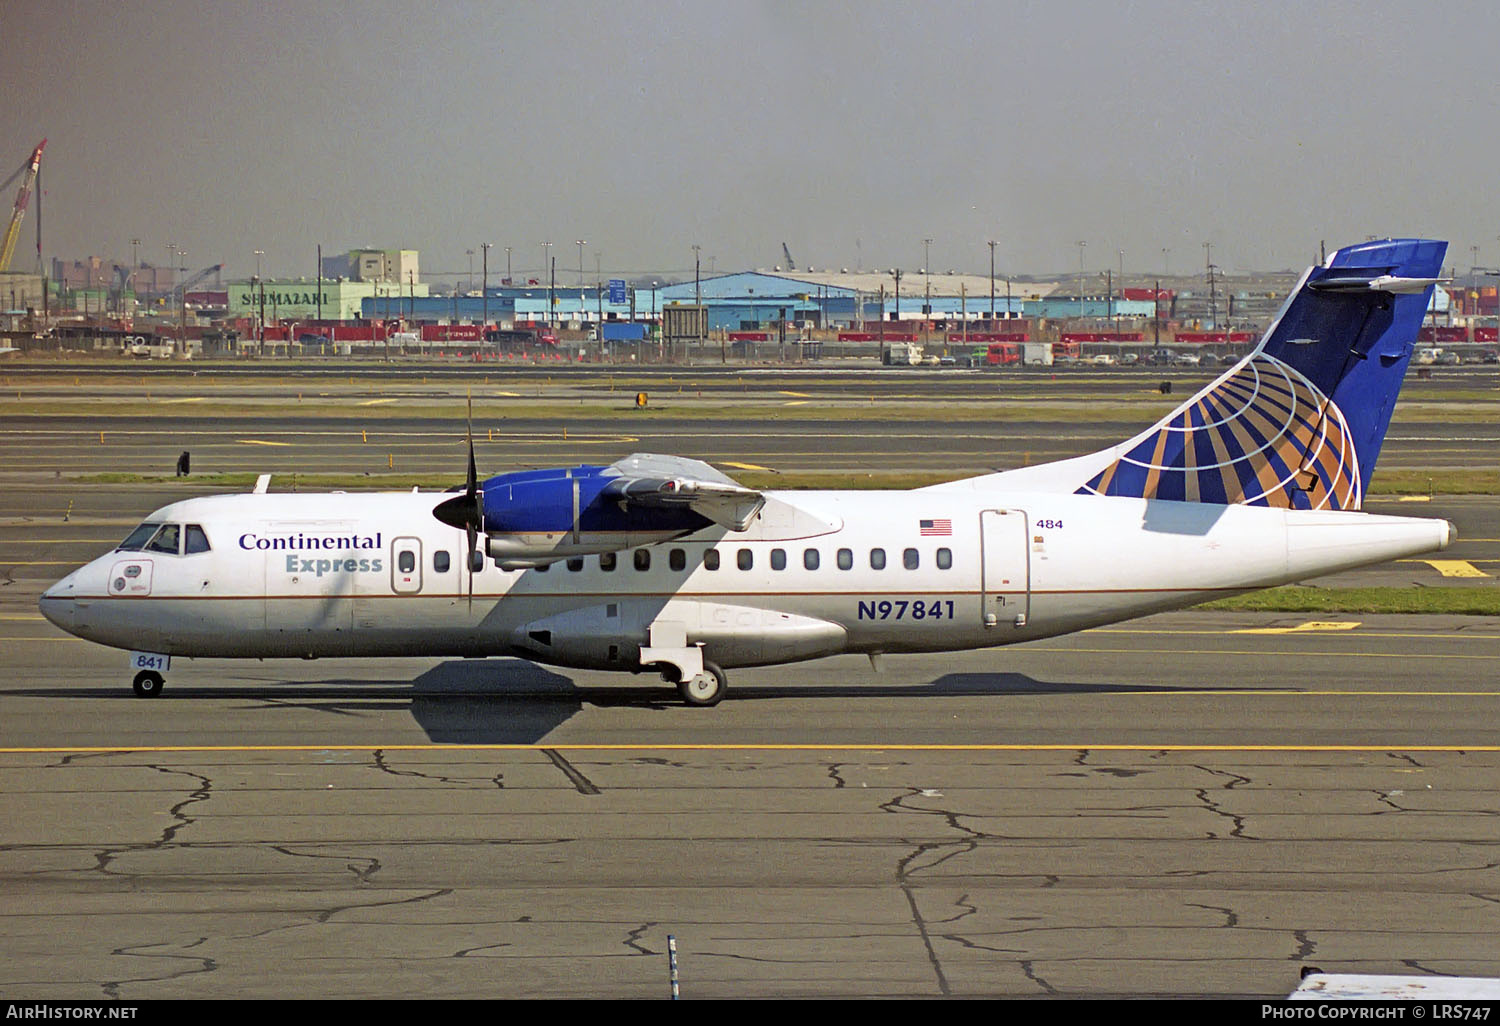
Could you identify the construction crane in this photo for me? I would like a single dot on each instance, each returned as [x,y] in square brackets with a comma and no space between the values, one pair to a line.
[791,265]
[188,283]
[29,169]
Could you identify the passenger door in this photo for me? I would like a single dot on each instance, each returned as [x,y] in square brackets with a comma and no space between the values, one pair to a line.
[1005,599]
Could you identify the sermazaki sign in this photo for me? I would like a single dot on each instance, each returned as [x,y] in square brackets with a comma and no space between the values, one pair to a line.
[280,297]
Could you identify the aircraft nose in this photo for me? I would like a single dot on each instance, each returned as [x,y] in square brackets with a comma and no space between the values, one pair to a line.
[57,603]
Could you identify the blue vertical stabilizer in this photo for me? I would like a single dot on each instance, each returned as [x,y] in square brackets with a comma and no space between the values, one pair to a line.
[1299,422]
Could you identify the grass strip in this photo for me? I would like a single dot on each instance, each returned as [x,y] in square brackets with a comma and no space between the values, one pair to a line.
[1459,600]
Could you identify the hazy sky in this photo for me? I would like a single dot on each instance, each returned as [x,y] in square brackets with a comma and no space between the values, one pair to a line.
[850,131]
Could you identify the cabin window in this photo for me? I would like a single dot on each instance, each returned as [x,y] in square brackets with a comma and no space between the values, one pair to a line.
[196,540]
[778,559]
[877,559]
[138,538]
[575,564]
[677,559]
[166,540]
[607,561]
[406,561]
[710,559]
[440,559]
[846,559]
[744,559]
[476,561]
[810,558]
[643,559]
[944,559]
[910,559]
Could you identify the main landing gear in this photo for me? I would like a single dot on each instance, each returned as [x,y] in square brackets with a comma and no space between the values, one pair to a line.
[706,687]
[148,683]
[698,681]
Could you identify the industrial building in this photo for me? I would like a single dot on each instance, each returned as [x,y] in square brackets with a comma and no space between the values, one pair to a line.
[389,265]
[331,299]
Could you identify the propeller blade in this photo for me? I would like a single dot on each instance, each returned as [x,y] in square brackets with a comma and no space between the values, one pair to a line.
[469,562]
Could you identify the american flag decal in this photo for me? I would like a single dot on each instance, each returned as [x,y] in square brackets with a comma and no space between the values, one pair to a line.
[935,528]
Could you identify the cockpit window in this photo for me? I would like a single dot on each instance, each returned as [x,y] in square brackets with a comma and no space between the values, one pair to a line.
[196,540]
[168,539]
[139,537]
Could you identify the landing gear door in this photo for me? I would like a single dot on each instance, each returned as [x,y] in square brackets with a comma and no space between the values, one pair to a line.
[1005,592]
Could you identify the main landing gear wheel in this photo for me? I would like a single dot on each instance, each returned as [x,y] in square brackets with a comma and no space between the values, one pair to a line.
[706,688]
[148,683]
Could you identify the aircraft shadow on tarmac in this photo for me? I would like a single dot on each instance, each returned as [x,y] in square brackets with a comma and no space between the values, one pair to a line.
[512,701]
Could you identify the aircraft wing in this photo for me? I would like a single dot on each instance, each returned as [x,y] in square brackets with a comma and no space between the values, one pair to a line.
[652,481]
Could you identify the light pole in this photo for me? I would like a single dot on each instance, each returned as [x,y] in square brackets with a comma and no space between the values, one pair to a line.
[1081,245]
[508,280]
[471,268]
[260,316]
[182,324]
[1213,299]
[1474,277]
[581,244]
[546,253]
[484,288]
[1497,303]
[1114,316]
[698,296]
[926,277]
[992,286]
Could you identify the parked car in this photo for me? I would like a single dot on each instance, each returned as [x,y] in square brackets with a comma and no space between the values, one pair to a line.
[1490,356]
[1185,360]
[1448,358]
[1130,359]
[1104,360]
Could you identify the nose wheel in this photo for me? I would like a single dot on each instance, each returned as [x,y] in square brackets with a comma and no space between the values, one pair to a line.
[148,683]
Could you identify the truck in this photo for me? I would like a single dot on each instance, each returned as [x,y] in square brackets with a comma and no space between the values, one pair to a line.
[1036,354]
[903,354]
[1000,354]
[517,339]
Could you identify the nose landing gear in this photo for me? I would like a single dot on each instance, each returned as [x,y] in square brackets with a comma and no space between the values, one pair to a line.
[148,683]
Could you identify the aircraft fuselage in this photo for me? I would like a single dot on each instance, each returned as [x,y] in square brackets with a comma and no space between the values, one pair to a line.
[816,574]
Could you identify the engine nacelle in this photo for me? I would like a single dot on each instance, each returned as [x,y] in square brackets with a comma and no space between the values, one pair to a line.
[536,517]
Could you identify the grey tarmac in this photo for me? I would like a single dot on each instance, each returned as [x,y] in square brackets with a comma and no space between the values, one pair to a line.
[1193,804]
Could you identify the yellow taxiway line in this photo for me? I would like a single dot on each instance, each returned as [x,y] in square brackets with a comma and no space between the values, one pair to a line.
[750,747]
[1451,567]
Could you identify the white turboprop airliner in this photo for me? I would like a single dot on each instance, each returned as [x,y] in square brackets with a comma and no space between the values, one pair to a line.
[664,564]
